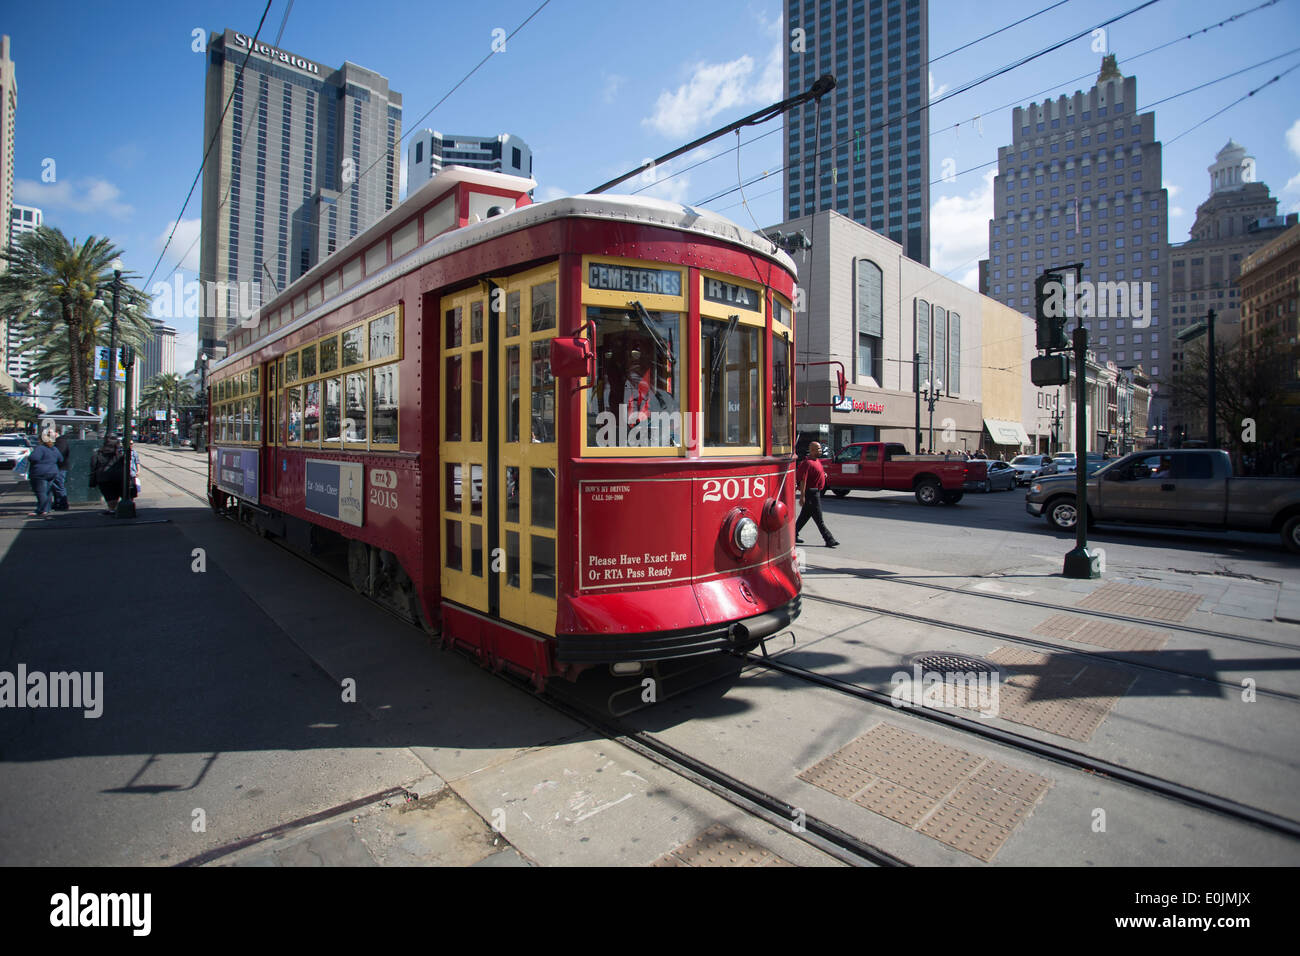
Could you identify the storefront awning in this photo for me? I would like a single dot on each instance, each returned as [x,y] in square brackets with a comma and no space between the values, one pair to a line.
[1006,433]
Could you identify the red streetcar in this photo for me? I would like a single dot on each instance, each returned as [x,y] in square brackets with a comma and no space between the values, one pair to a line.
[558,434]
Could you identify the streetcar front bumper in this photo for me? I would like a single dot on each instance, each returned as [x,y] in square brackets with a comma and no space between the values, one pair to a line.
[666,645]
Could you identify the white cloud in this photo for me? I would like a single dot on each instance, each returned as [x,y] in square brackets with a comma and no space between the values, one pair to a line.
[79,195]
[612,83]
[936,91]
[715,87]
[185,241]
[547,193]
[1293,138]
[959,232]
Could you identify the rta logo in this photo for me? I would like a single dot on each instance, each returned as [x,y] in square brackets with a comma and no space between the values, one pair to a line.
[383,478]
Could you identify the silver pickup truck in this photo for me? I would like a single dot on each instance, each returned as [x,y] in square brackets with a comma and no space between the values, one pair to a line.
[1178,487]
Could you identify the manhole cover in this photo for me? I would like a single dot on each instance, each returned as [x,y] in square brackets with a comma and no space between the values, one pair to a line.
[945,663]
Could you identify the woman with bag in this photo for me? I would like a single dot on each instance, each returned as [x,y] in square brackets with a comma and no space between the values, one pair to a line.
[106,472]
[43,468]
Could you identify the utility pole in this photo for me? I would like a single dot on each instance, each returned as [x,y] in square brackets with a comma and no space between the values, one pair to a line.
[1214,405]
[916,387]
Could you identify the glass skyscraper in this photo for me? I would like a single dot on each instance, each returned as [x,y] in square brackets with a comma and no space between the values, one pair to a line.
[867,155]
[306,159]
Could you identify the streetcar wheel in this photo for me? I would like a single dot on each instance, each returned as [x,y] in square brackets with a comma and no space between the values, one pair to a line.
[1062,514]
[359,566]
[840,492]
[929,492]
[1291,534]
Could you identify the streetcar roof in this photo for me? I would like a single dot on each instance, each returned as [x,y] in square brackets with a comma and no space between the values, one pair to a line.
[618,207]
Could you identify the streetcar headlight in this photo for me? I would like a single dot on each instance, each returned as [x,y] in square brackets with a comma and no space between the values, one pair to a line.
[746,533]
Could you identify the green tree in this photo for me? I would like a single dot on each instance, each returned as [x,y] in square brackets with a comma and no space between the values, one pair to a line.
[168,390]
[1250,383]
[50,290]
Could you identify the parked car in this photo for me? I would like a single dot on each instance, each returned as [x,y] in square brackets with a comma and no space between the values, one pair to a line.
[872,466]
[1186,487]
[1028,467]
[13,449]
[1000,476]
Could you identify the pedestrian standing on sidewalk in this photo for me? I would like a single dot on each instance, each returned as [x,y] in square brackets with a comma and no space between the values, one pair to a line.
[43,468]
[106,471]
[60,485]
[810,478]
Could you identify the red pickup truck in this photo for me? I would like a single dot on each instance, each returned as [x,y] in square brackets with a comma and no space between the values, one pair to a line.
[873,466]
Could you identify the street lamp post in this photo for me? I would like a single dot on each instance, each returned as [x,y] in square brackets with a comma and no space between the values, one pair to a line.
[931,396]
[112,347]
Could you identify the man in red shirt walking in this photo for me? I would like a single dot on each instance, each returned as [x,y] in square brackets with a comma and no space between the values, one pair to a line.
[810,477]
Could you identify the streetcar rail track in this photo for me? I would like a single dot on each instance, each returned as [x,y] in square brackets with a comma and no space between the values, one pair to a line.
[1041,748]
[992,634]
[1109,615]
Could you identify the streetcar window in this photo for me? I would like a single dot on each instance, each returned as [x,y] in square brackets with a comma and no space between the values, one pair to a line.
[476,397]
[243,384]
[383,408]
[352,273]
[543,306]
[512,393]
[476,490]
[383,336]
[329,354]
[453,545]
[781,312]
[543,565]
[731,362]
[282,428]
[354,347]
[782,442]
[295,414]
[252,382]
[332,391]
[405,239]
[451,400]
[475,322]
[309,362]
[512,494]
[476,550]
[512,559]
[512,314]
[257,419]
[356,408]
[311,413]
[376,257]
[543,497]
[291,368]
[452,487]
[543,392]
[453,325]
[270,377]
[634,401]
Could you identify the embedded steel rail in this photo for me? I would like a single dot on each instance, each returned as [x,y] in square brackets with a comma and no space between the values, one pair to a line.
[1045,645]
[1049,751]
[1110,615]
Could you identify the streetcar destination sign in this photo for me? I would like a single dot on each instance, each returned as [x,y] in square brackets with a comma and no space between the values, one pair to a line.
[629,279]
[738,296]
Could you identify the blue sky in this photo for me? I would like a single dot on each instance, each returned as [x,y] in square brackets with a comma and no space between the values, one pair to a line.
[113,94]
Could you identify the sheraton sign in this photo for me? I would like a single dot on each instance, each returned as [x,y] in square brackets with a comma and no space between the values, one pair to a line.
[274,54]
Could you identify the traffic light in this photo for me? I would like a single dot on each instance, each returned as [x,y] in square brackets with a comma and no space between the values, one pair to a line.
[1050,313]
[1050,370]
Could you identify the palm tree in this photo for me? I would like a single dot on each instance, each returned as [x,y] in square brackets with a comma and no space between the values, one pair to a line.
[167,390]
[50,289]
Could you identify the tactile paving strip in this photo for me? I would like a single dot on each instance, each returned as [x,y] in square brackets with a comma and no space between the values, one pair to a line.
[720,846]
[1061,694]
[965,801]
[1117,637]
[1134,600]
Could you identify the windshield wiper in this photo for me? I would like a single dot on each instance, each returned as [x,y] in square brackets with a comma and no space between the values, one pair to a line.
[720,351]
[648,324]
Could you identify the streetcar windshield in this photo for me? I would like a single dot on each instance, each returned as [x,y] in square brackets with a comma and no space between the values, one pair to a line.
[634,401]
